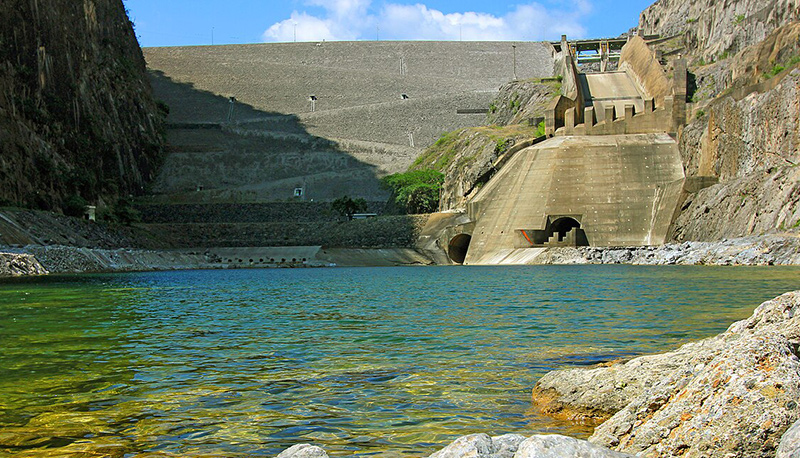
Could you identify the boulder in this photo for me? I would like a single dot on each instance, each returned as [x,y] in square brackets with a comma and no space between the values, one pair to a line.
[516,446]
[790,443]
[303,451]
[730,395]
[481,446]
[557,446]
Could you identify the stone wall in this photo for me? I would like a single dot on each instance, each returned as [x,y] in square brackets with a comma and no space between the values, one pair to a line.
[298,212]
[382,232]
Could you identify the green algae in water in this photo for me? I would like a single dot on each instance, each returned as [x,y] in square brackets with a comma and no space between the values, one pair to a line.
[394,361]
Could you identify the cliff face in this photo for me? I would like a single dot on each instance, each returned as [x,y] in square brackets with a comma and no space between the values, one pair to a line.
[77,118]
[713,27]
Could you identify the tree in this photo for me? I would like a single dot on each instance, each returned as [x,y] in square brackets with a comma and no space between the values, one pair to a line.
[416,191]
[346,206]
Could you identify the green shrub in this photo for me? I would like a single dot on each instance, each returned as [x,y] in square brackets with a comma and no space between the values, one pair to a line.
[415,191]
[75,205]
[346,206]
[501,146]
[739,19]
[699,114]
[776,69]
[540,130]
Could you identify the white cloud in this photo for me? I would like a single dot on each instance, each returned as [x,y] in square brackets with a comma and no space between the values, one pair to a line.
[356,20]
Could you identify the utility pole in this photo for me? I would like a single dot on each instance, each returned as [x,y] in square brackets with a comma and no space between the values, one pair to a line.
[295,32]
[212,36]
[377,33]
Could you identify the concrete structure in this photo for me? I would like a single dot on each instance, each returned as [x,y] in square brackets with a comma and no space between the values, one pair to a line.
[612,174]
[615,190]
[251,123]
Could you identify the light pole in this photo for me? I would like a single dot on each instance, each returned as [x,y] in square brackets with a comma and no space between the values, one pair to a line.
[212,36]
[514,48]
[294,34]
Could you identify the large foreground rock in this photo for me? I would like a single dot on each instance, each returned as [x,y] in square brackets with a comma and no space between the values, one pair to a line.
[730,395]
[790,443]
[516,446]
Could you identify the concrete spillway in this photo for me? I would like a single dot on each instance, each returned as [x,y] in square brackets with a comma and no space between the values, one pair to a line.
[616,190]
[611,89]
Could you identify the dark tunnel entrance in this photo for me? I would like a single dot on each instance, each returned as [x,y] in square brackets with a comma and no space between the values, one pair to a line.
[562,226]
[457,248]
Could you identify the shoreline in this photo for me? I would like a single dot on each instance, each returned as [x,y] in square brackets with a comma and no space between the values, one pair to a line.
[733,394]
[35,260]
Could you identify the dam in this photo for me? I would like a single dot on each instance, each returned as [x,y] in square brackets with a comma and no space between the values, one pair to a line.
[253,123]
[311,122]
[610,173]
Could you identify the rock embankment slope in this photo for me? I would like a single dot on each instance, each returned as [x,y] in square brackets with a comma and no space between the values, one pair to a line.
[18,265]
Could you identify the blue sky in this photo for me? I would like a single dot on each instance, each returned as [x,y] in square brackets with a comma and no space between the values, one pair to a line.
[197,22]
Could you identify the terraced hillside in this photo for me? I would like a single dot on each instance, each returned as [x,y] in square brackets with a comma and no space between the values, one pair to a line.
[378,104]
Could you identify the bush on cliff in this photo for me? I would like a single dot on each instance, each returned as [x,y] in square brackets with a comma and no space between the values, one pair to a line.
[415,191]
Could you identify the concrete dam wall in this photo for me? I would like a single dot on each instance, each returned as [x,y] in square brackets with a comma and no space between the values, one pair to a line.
[610,175]
[331,117]
[616,190]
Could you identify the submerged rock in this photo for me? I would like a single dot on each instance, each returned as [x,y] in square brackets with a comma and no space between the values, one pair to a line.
[730,395]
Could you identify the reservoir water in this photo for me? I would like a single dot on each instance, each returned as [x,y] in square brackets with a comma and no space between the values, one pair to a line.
[383,361]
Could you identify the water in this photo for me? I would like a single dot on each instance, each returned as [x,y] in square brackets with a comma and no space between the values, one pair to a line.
[389,361]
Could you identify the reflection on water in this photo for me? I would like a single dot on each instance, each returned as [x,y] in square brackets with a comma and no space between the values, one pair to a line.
[391,361]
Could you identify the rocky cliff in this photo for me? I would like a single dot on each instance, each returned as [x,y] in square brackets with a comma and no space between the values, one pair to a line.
[712,27]
[745,134]
[77,119]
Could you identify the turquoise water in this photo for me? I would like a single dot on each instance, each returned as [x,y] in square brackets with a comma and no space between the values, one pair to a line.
[387,361]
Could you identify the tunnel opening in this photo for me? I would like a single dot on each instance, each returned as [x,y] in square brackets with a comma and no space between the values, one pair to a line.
[563,225]
[560,230]
[457,248]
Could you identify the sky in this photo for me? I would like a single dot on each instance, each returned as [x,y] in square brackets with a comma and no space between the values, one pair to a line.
[202,22]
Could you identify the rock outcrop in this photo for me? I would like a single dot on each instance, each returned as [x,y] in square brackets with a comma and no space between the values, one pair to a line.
[712,28]
[763,202]
[730,395]
[747,136]
[77,119]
